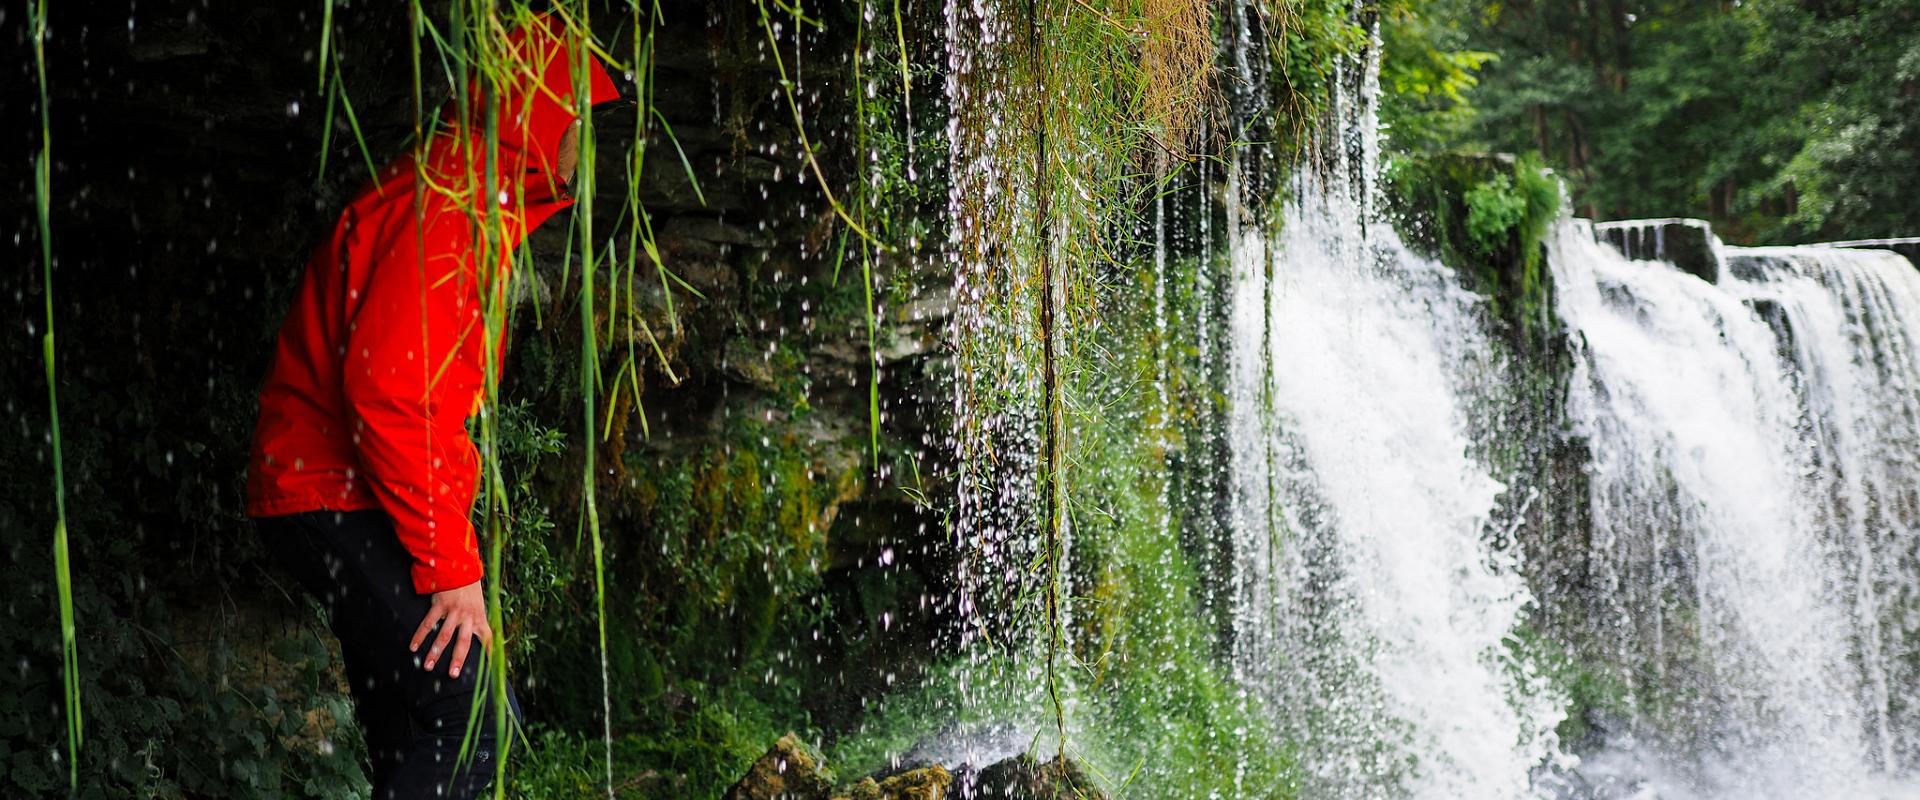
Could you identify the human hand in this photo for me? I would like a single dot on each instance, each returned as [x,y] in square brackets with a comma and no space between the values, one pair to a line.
[460,612]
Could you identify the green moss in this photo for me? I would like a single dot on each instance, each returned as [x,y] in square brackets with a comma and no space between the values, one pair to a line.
[1486,216]
[1590,690]
[1145,652]
[739,531]
[698,747]
[716,551]
[1493,210]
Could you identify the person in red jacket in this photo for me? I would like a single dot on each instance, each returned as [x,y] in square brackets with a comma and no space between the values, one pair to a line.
[362,474]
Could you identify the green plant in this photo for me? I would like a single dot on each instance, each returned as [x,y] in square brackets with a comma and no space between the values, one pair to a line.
[1493,209]
[62,570]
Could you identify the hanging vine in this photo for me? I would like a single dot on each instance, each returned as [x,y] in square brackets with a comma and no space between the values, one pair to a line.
[62,570]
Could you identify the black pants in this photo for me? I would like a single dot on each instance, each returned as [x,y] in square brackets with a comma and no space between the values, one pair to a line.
[414,720]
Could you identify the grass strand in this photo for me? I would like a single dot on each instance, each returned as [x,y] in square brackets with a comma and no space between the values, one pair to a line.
[62,566]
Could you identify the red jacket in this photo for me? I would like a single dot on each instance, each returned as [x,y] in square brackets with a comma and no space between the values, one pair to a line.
[381,358]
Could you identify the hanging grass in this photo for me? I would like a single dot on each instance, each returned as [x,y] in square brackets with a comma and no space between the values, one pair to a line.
[1092,93]
[62,570]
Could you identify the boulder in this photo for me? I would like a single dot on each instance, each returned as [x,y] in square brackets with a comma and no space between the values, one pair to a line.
[1023,778]
[789,771]
[926,783]
[792,771]
[1685,243]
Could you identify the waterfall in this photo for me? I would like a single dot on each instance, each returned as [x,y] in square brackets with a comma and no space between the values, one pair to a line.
[1373,610]
[1751,558]
[1309,512]
[1373,618]
[1850,320]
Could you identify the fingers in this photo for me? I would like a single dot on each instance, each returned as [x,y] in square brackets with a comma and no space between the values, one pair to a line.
[461,617]
[463,643]
[440,643]
[459,654]
[434,615]
[480,629]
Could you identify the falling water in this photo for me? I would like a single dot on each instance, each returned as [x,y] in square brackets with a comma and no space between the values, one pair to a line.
[1752,561]
[995,433]
[1850,320]
[1372,615]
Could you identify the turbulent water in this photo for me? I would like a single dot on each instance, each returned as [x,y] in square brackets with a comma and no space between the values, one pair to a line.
[1751,590]
[1752,562]
[1751,578]
[1372,611]
[1372,614]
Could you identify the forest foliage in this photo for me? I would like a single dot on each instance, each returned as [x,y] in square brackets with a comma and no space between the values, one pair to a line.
[1781,121]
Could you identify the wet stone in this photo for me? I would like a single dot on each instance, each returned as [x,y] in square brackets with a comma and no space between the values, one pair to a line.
[1909,247]
[1023,778]
[746,362]
[926,783]
[1685,243]
[789,771]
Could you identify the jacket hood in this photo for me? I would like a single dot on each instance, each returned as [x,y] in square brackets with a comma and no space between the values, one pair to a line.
[535,103]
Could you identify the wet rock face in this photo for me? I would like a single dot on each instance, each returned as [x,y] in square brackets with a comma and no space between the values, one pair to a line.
[1909,247]
[1022,778]
[789,771]
[1687,243]
[927,783]
[188,191]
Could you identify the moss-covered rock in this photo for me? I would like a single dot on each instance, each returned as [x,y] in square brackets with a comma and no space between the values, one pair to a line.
[1023,778]
[1485,215]
[789,771]
[926,783]
[792,771]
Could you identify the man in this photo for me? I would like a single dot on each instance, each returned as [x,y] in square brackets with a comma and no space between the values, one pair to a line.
[362,475]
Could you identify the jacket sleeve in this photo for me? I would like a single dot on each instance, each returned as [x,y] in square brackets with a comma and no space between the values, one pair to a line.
[411,374]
